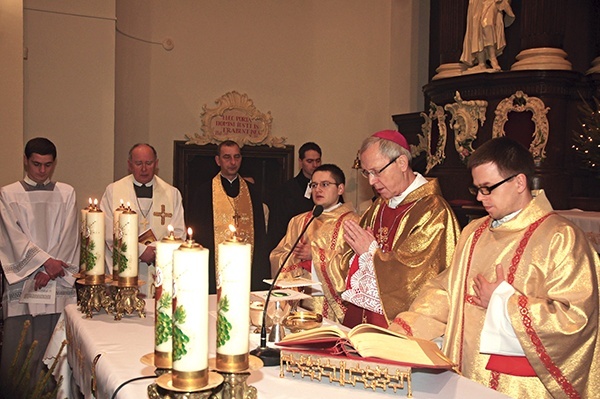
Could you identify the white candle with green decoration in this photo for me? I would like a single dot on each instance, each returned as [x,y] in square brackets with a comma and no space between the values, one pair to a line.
[190,316]
[94,251]
[163,281]
[126,248]
[233,304]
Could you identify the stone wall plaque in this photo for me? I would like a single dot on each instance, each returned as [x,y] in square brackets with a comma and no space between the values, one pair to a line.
[236,118]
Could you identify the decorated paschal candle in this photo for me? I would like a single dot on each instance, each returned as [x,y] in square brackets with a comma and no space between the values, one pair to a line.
[190,316]
[94,251]
[163,281]
[116,214]
[127,248]
[83,234]
[233,304]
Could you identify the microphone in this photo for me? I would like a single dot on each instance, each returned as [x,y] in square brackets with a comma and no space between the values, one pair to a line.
[272,356]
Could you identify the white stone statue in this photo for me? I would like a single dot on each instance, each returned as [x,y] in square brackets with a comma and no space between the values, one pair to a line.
[484,37]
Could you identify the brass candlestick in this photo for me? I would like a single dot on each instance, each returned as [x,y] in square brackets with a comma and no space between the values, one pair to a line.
[93,296]
[126,301]
[234,383]
[163,388]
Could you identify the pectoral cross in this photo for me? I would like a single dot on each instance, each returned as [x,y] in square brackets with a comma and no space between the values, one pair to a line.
[145,223]
[163,215]
[236,219]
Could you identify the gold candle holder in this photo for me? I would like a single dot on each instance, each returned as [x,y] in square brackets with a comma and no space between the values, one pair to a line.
[234,383]
[93,297]
[126,301]
[163,388]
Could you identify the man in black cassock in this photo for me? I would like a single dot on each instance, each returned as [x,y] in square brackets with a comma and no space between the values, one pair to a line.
[227,200]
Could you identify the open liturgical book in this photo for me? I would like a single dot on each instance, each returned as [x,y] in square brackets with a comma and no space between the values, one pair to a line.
[369,341]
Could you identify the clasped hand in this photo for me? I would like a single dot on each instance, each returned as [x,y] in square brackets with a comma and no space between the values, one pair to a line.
[358,238]
[53,268]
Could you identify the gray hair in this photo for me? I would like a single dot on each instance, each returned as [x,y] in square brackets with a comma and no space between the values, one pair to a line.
[386,148]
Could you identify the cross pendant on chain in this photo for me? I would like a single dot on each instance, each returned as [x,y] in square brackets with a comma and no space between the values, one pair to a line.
[236,219]
[144,223]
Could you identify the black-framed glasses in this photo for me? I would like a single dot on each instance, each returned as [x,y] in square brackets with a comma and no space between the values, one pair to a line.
[376,173]
[488,190]
[323,184]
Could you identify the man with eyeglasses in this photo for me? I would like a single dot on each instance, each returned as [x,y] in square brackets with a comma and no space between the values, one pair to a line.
[318,256]
[157,204]
[518,308]
[405,238]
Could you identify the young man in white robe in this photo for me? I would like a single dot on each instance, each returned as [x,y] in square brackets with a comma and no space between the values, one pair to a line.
[39,252]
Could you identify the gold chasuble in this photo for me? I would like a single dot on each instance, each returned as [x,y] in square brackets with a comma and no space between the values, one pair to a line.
[229,211]
[554,310]
[419,249]
[327,244]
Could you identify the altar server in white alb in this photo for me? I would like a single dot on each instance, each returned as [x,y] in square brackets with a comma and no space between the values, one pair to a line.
[157,203]
[39,252]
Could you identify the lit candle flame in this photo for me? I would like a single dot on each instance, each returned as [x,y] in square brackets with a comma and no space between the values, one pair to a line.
[232,228]
[171,231]
[189,232]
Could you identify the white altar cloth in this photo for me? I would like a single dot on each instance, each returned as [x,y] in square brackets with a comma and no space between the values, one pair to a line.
[123,343]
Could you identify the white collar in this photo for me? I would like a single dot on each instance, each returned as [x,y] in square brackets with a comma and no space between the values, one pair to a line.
[510,216]
[333,207]
[149,184]
[418,182]
[30,181]
[232,180]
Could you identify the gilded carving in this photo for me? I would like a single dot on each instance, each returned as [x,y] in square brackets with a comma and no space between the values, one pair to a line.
[521,102]
[236,118]
[436,113]
[465,117]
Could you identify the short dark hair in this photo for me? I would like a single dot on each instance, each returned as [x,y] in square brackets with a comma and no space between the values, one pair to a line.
[40,145]
[509,156]
[336,172]
[227,143]
[307,147]
[143,144]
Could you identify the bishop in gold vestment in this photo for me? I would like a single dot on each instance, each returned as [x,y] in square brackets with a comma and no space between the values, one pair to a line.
[405,238]
[536,334]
